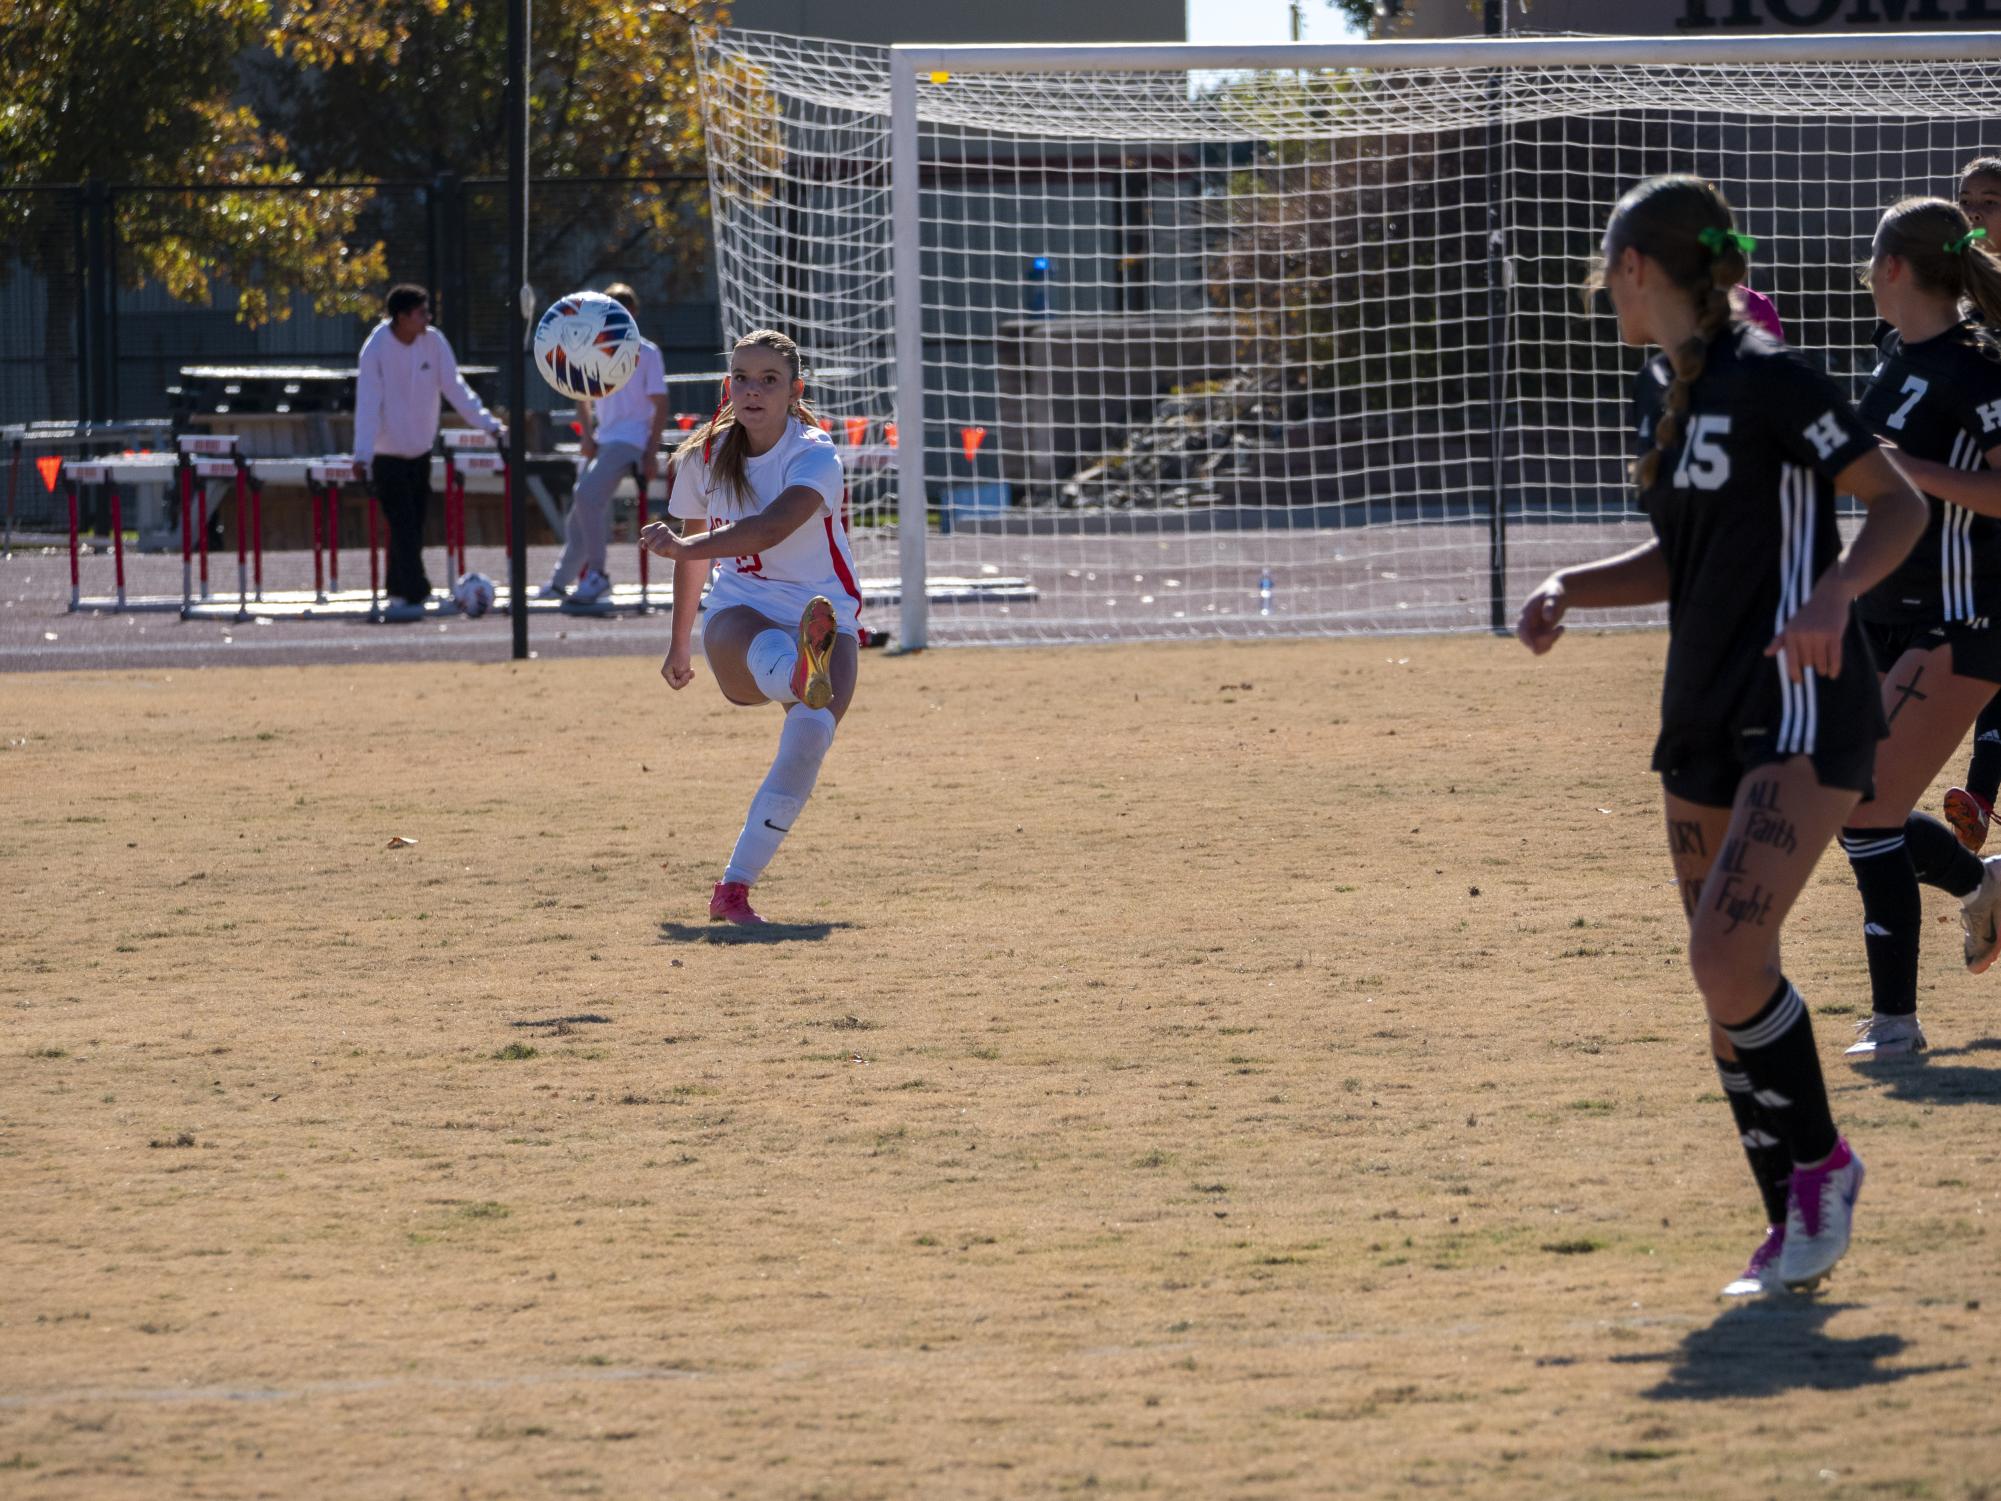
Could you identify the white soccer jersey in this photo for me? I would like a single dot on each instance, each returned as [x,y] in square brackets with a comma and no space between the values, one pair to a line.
[626,416]
[815,559]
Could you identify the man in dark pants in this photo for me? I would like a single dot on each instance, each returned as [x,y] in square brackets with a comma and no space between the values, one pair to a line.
[406,366]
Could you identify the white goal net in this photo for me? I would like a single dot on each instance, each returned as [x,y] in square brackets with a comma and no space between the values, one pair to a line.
[1195,343]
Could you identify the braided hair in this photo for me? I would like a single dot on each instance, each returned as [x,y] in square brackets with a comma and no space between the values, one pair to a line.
[1684,226]
[1947,256]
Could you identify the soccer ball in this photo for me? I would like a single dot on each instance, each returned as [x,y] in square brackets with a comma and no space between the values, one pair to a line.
[474,594]
[586,345]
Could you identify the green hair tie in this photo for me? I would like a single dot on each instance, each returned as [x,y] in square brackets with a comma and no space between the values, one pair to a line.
[1954,247]
[1713,240]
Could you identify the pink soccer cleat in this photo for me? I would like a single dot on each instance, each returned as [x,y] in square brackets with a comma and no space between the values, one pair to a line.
[1969,814]
[1761,1275]
[730,902]
[1820,1212]
[811,684]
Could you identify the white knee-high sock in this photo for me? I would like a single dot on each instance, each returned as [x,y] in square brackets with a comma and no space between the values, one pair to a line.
[802,746]
[772,656]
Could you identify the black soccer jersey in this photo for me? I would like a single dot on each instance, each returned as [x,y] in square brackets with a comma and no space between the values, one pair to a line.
[1941,400]
[1743,505]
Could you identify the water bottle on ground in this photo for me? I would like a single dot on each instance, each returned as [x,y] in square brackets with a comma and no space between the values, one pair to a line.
[1264,592]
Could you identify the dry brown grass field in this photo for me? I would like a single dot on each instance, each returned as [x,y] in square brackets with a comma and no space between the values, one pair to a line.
[1254,1071]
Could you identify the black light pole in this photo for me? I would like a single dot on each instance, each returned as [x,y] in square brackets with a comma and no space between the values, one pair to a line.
[1497,348]
[517,318]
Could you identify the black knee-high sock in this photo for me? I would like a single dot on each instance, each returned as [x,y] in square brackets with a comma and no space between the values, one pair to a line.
[1776,1049]
[1771,1163]
[1938,858]
[1892,915]
[1983,772]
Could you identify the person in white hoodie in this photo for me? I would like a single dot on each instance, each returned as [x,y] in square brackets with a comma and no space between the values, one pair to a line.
[406,366]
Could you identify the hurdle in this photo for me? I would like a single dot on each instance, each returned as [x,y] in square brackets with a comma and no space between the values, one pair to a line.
[324,478]
[465,450]
[233,470]
[88,472]
[190,447]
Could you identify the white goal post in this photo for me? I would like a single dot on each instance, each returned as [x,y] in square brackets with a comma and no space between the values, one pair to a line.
[1166,341]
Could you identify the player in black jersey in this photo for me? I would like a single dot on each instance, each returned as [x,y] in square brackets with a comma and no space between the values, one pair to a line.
[1970,809]
[1935,623]
[1769,709]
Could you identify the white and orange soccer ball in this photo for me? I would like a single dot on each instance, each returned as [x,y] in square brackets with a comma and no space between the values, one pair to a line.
[586,345]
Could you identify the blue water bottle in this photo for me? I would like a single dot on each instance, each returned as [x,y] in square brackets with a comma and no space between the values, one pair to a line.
[1264,592]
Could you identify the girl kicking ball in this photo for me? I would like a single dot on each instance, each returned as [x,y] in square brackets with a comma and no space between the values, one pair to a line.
[759,488]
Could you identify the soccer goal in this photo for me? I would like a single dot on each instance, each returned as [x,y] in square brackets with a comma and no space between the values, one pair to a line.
[1185,341]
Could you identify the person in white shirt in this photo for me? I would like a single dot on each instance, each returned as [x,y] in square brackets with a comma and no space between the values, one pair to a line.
[761,492]
[620,431]
[406,366]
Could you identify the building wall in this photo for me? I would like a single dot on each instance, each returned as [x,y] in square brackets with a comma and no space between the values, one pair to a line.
[891,21]
[1445,18]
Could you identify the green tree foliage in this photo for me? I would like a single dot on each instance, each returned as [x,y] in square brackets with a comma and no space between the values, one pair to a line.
[409,89]
[253,95]
[141,95]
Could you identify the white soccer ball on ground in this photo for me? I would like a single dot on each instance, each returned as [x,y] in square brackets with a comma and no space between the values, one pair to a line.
[474,594]
[586,345]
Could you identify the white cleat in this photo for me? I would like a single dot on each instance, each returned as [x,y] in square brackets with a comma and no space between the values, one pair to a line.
[1879,1036]
[1761,1274]
[1820,1212]
[1980,915]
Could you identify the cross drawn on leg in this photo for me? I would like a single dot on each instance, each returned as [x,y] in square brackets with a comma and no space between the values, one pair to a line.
[1908,691]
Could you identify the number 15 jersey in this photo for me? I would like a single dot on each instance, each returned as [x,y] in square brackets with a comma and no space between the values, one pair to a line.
[1743,507]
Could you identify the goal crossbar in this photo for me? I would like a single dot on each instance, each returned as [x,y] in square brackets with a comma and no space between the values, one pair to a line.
[1469,52]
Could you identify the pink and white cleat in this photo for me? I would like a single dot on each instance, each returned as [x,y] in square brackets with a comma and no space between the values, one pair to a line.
[730,902]
[1819,1216]
[1761,1272]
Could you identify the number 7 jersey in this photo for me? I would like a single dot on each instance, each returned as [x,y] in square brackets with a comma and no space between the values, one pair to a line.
[1743,506]
[1940,399]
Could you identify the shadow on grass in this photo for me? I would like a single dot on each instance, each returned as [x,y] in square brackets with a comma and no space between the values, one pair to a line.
[729,933]
[1923,1078]
[1774,1346]
[581,1017]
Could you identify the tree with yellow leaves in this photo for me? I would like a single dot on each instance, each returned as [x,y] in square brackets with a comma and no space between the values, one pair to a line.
[411,89]
[249,103]
[140,96]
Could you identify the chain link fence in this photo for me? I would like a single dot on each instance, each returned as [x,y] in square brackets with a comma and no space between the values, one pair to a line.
[85,334]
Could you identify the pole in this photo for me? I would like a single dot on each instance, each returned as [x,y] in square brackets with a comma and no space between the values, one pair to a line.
[117,538]
[13,484]
[517,325]
[907,268]
[75,573]
[97,294]
[1497,347]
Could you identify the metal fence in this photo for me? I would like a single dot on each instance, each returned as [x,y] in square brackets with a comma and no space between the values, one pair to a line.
[85,335]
